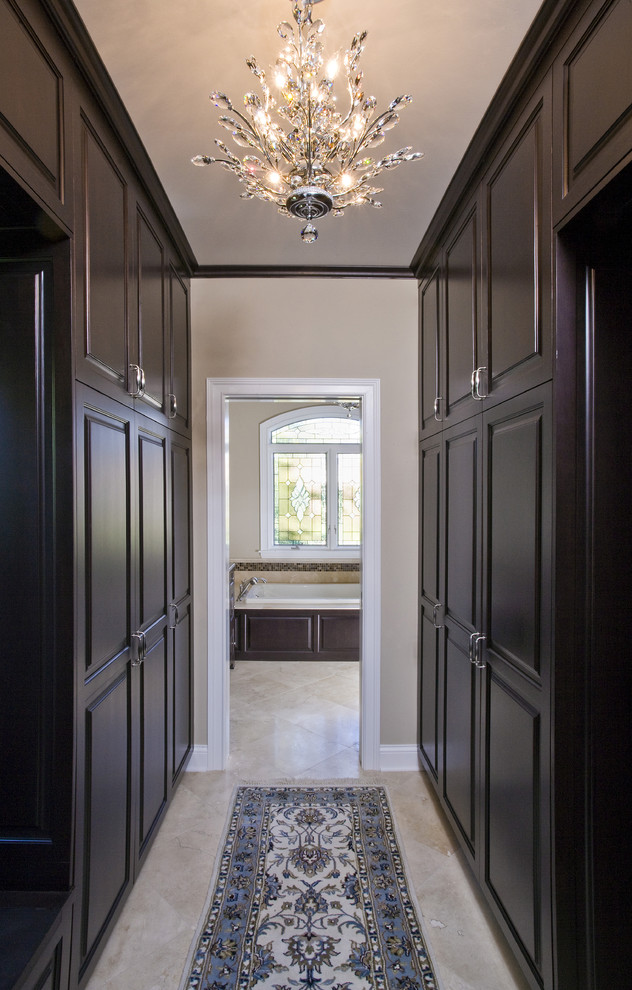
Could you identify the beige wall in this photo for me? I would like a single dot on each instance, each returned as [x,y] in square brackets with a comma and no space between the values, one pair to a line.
[323,328]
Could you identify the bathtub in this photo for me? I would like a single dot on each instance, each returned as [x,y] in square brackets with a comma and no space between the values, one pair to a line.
[300,596]
[298,622]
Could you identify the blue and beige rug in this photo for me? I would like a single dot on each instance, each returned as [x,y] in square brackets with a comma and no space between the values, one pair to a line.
[310,892]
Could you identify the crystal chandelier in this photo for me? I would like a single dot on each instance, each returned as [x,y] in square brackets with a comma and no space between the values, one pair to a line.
[313,159]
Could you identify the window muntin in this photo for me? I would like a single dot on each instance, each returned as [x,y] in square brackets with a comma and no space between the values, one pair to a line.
[311,481]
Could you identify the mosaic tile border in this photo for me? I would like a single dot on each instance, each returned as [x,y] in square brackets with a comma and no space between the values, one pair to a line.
[275,566]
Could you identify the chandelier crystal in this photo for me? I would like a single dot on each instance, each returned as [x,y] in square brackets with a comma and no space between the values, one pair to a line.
[311,158]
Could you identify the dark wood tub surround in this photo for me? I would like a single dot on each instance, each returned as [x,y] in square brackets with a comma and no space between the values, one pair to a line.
[525,360]
[96,663]
[297,634]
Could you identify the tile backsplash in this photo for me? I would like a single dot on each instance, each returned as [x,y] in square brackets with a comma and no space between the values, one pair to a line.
[297,573]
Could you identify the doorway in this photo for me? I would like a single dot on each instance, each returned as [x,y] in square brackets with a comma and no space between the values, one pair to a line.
[219,394]
[593,672]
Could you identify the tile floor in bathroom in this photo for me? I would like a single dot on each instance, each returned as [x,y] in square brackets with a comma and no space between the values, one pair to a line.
[297,721]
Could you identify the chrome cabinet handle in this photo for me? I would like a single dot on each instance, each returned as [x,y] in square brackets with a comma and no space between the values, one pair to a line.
[434,616]
[137,648]
[173,615]
[437,408]
[173,406]
[477,652]
[476,639]
[137,381]
[476,384]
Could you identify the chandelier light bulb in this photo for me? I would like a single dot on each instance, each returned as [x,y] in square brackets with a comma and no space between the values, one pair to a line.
[304,153]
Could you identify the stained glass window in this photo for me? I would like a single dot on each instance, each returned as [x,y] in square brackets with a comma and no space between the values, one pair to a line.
[322,430]
[349,499]
[311,471]
[300,499]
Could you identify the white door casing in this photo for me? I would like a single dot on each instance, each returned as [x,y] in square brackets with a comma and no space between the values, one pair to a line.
[218,392]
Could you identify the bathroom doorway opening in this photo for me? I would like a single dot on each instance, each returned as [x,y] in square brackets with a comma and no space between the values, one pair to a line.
[220,393]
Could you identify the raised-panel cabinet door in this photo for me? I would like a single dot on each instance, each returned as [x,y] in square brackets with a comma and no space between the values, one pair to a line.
[32,115]
[430,412]
[103,268]
[461,577]
[182,688]
[105,531]
[430,646]
[460,738]
[516,669]
[463,359]
[151,664]
[180,604]
[149,354]
[517,258]
[153,727]
[429,685]
[107,783]
[593,103]
[179,397]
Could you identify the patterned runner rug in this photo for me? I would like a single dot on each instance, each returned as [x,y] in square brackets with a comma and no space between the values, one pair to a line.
[310,892]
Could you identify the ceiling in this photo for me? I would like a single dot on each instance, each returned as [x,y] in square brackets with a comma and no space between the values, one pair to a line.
[165,58]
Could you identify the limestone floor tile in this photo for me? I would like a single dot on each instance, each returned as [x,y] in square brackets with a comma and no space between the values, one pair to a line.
[277,737]
[290,751]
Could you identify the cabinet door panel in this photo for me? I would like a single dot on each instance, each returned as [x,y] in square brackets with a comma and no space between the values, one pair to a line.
[517,656]
[462,524]
[593,100]
[153,737]
[461,320]
[518,532]
[106,535]
[180,521]
[460,735]
[105,197]
[107,789]
[180,348]
[429,682]
[151,313]
[430,479]
[153,536]
[182,689]
[514,814]
[31,96]
[517,301]
[429,351]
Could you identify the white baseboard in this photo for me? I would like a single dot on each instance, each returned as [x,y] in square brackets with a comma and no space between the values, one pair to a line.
[198,762]
[402,757]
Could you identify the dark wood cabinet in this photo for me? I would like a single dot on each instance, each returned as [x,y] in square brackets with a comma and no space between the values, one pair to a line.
[516,293]
[524,701]
[180,607]
[593,104]
[133,301]
[430,315]
[463,350]
[486,642]
[97,673]
[134,524]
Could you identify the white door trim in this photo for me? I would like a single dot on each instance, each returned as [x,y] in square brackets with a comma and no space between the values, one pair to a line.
[218,391]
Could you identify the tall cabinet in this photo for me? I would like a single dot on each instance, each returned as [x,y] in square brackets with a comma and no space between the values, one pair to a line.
[506,691]
[97,673]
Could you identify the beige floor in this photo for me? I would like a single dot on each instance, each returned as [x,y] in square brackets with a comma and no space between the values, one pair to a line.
[299,722]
